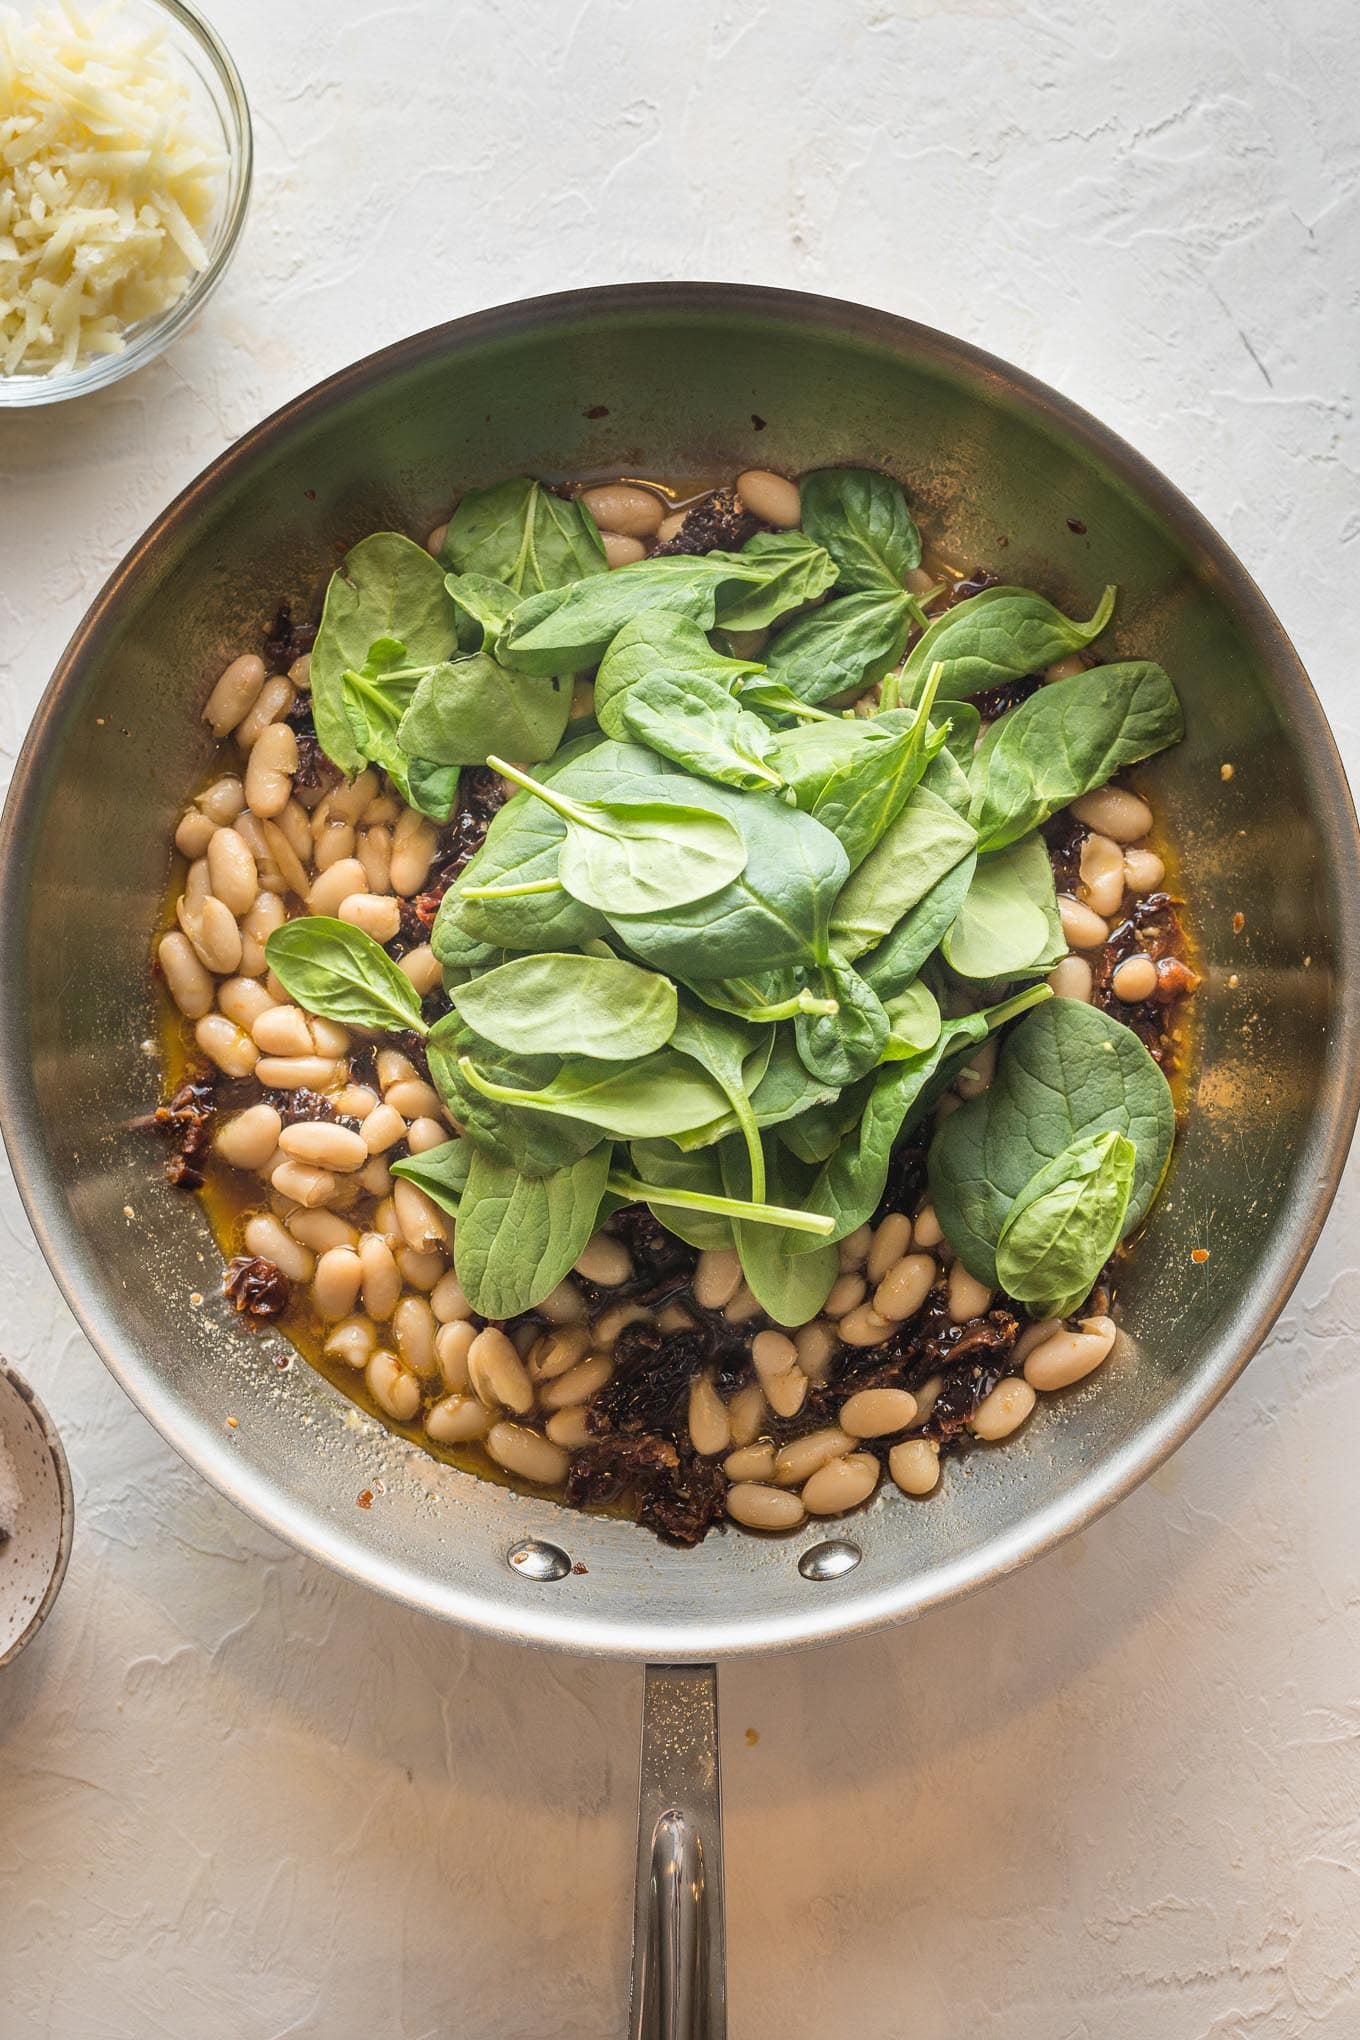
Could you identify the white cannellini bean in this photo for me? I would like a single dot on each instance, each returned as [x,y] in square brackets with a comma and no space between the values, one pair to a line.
[413,845]
[216,937]
[717,1277]
[351,1342]
[845,1292]
[393,1068]
[336,884]
[294,827]
[605,1260]
[249,1138]
[285,867]
[333,840]
[226,1044]
[375,854]
[265,1237]
[383,1128]
[854,1248]
[620,550]
[324,1144]
[1114,812]
[234,694]
[300,672]
[264,917]
[889,1244]
[223,800]
[378,917]
[243,999]
[498,1374]
[231,870]
[709,1429]
[348,802]
[272,703]
[435,542]
[1134,979]
[744,1306]
[356,1101]
[457,1420]
[757,1507]
[1081,928]
[783,1381]
[1066,1356]
[381,1277]
[299,1073]
[842,1484]
[413,1329]
[751,1462]
[616,506]
[557,1352]
[303,1182]
[424,1134]
[420,1271]
[671,527]
[770,497]
[926,1228]
[282,1030]
[1034,1335]
[335,1286]
[1102,874]
[1072,979]
[815,1344]
[393,1387]
[194,833]
[422,1224]
[796,1461]
[188,983]
[915,1465]
[421,966]
[864,1327]
[415,1099]
[528,1454]
[579,1384]
[452,1344]
[746,1413]
[1144,871]
[877,1412]
[905,1287]
[270,769]
[1004,1410]
[321,1230]
[968,1298]
[564,1305]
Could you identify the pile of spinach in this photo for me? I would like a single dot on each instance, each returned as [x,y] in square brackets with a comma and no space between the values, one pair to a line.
[726,946]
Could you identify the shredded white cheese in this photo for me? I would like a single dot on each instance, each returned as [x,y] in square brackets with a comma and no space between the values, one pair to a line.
[108,179]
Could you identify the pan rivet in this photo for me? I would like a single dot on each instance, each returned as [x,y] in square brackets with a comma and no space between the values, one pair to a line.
[538,1560]
[830,1560]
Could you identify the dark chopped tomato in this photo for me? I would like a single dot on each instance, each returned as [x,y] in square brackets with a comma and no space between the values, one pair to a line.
[287,640]
[717,523]
[257,1287]
[187,1119]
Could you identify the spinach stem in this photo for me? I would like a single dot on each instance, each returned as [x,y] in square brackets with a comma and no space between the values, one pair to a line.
[633,1188]
[570,810]
[510,892]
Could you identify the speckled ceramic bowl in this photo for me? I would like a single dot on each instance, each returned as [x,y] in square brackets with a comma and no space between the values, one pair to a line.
[37,1514]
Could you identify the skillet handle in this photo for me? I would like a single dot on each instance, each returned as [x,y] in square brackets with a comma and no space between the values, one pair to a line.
[679,1933]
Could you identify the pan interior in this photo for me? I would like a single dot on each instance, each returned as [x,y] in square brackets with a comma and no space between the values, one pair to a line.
[686,380]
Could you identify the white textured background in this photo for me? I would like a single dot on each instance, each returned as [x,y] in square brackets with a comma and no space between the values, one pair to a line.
[1117,1798]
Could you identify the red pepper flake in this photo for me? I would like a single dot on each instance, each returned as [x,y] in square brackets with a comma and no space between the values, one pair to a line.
[1199,1255]
[233,1423]
[365,1500]
[1075,525]
[580,1568]
[1239,922]
[598,411]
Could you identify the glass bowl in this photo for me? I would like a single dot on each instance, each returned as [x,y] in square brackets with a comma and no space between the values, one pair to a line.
[221,100]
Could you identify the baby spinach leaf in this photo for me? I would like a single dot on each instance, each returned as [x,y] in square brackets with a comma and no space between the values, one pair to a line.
[638,855]
[570,628]
[342,974]
[1065,1224]
[520,534]
[815,1133]
[374,700]
[899,958]
[865,797]
[842,648]
[810,758]
[1068,1072]
[385,587]
[773,698]
[775,913]
[441,1172]
[462,712]
[663,1165]
[556,1004]
[662,683]
[862,519]
[767,996]
[789,1276]
[1008,924]
[661,1093]
[843,1046]
[946,777]
[482,608]
[786,1090]
[850,1183]
[1001,634]
[536,1142]
[926,840]
[518,1236]
[914,1022]
[1065,741]
[735,1056]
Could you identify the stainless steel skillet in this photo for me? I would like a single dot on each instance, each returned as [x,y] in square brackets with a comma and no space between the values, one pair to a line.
[676,379]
